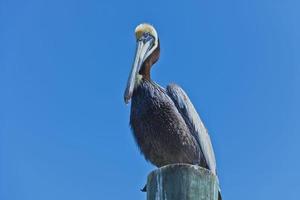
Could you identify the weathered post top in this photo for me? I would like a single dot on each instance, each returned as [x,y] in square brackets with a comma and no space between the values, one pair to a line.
[182,182]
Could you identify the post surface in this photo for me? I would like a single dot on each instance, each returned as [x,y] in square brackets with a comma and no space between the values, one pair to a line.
[182,182]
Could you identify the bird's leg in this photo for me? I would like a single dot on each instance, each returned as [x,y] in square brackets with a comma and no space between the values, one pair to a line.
[144,188]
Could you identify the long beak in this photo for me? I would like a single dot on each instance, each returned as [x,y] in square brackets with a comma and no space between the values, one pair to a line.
[140,56]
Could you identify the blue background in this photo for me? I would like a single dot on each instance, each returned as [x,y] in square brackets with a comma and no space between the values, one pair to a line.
[64,130]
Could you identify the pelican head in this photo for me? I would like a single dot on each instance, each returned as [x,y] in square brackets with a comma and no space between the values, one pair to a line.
[147,53]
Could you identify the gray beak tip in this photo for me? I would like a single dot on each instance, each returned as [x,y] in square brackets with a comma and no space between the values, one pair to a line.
[126,99]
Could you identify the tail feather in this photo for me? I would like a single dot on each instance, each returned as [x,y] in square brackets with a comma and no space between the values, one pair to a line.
[219,195]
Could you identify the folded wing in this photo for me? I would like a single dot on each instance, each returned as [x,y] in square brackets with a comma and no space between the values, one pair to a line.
[192,119]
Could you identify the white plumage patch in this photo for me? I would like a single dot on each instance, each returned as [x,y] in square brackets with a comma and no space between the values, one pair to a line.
[142,28]
[147,28]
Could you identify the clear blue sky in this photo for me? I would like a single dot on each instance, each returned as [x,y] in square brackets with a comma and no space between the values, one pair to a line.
[64,130]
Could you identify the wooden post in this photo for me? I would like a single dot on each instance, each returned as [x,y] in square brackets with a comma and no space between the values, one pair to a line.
[182,182]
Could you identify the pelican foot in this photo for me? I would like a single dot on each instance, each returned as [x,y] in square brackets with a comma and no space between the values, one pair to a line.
[144,188]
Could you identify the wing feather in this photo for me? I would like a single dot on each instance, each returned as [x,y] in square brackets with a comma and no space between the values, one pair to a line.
[193,120]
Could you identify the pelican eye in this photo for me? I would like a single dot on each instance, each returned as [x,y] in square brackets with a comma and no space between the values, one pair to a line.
[146,34]
[146,37]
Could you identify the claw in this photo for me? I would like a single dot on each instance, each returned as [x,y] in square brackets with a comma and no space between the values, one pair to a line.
[144,188]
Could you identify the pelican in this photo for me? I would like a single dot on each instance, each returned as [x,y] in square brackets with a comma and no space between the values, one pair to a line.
[165,124]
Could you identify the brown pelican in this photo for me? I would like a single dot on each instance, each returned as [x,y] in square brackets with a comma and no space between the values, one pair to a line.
[165,124]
